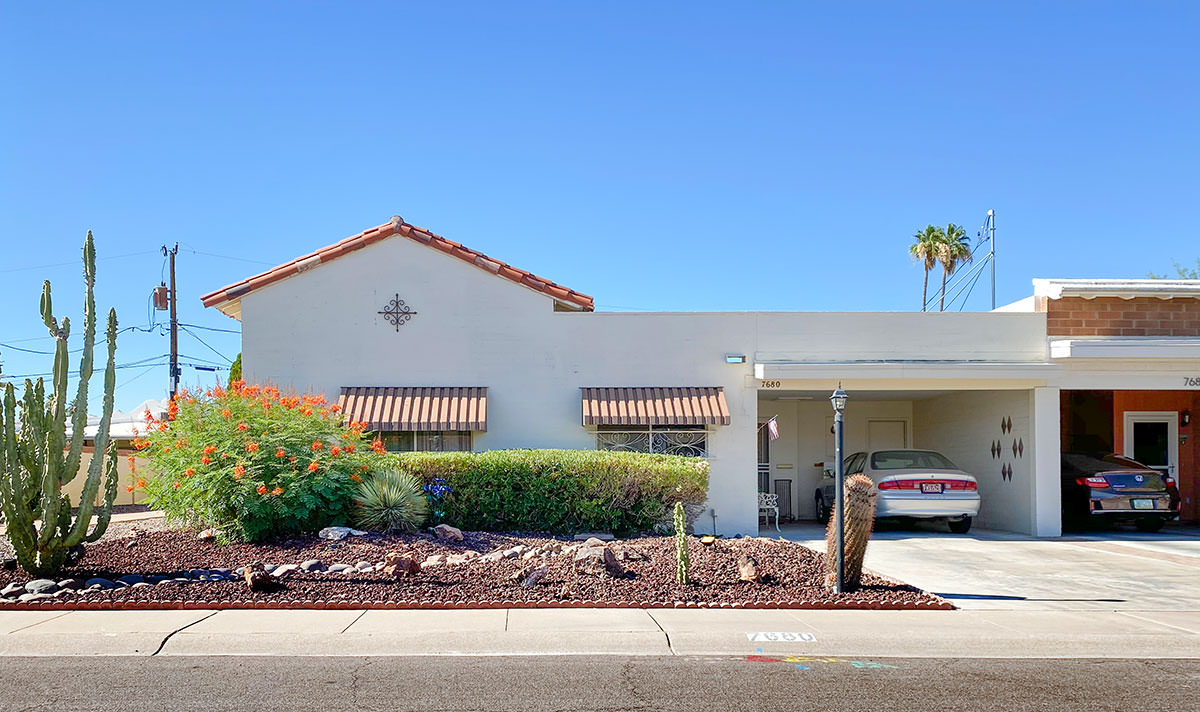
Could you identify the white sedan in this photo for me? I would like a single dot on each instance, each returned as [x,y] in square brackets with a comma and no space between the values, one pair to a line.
[916,484]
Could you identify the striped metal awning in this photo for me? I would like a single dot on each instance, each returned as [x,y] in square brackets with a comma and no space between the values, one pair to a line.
[416,409]
[655,406]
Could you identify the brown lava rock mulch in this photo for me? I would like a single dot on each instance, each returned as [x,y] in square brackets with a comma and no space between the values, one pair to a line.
[792,576]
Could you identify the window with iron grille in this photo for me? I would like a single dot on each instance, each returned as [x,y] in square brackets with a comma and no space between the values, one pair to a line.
[431,441]
[686,440]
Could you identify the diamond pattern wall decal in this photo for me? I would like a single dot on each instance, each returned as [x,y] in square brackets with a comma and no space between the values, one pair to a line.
[1021,447]
[1014,448]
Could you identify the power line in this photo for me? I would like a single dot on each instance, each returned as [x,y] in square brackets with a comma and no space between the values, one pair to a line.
[147,369]
[212,328]
[134,364]
[68,264]
[192,334]
[194,251]
[8,345]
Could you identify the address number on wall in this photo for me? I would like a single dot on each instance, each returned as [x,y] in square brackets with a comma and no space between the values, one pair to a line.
[1191,381]
[771,384]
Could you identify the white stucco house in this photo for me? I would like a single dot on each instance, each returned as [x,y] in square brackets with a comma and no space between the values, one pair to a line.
[441,347]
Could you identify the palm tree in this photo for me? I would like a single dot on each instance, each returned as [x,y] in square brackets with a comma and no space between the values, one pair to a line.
[925,250]
[954,250]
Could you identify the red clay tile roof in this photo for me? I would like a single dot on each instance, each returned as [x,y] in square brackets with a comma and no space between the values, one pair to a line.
[397,227]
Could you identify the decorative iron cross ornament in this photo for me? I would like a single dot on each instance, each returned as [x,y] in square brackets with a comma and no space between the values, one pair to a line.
[397,313]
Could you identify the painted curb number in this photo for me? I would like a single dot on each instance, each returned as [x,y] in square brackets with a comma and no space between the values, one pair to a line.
[781,637]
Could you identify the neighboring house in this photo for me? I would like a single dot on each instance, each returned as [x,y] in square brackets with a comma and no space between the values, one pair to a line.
[121,430]
[438,346]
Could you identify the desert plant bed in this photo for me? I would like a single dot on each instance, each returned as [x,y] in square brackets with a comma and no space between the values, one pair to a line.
[175,569]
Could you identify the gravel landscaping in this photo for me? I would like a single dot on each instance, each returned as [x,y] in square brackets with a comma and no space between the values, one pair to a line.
[172,569]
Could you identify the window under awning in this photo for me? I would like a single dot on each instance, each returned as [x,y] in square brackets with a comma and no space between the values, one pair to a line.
[648,406]
[419,409]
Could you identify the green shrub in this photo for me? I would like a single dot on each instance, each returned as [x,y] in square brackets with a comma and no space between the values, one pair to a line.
[390,501]
[252,463]
[560,491]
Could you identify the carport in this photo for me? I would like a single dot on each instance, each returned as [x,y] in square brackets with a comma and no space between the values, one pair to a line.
[998,422]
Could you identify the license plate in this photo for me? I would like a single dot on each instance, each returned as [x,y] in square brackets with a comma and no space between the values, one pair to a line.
[931,487]
[1143,504]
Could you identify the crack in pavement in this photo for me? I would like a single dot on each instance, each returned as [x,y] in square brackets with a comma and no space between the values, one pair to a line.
[664,632]
[172,633]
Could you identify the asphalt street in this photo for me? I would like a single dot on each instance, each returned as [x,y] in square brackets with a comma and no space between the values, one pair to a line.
[539,683]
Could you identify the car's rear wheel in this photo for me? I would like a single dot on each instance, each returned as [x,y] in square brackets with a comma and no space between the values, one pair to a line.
[960,526]
[821,508]
[1149,525]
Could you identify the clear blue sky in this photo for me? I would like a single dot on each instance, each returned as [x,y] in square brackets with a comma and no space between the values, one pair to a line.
[694,156]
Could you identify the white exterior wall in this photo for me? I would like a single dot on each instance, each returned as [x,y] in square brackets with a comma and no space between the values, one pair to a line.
[963,427]
[320,331]
[804,440]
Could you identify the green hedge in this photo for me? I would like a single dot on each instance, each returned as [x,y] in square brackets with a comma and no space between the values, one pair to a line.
[560,491]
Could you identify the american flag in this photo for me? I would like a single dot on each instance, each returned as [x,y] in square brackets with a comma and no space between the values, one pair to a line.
[773,429]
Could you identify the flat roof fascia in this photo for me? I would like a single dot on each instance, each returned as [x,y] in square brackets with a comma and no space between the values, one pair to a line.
[1033,372]
[1133,348]
[1120,288]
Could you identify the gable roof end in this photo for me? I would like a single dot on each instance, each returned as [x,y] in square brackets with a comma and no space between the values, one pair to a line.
[396,226]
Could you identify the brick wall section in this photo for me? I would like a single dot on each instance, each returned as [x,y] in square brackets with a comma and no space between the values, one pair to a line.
[1112,316]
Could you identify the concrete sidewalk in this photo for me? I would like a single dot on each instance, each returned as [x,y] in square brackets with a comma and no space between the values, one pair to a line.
[958,634]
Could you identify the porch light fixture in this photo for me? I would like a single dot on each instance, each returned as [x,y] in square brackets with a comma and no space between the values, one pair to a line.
[1185,418]
[735,358]
[838,400]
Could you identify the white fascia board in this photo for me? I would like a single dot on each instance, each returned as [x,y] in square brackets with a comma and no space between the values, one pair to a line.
[1125,348]
[931,370]
[1121,288]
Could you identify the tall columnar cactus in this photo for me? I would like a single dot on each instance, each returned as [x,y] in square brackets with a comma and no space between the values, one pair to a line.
[859,514]
[682,561]
[36,460]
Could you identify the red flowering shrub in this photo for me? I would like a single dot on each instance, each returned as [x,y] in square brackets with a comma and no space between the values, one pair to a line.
[252,463]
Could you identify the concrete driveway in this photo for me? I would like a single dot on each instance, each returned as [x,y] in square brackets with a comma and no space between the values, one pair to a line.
[1112,570]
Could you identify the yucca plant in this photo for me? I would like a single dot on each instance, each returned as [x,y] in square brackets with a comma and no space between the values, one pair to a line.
[391,501]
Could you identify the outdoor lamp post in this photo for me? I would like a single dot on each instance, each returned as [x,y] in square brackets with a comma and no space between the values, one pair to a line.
[838,399]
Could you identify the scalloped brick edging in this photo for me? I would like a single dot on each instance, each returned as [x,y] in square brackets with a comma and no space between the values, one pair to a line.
[237,604]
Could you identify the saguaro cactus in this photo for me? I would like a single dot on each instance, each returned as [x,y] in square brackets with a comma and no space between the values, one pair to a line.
[859,515]
[682,561]
[35,459]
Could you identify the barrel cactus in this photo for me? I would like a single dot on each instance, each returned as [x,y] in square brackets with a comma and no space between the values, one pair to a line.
[682,560]
[859,516]
[36,460]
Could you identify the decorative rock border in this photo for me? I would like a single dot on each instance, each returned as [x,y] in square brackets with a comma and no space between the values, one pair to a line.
[341,604]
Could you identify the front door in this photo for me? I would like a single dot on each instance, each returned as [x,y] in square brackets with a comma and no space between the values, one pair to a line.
[1152,438]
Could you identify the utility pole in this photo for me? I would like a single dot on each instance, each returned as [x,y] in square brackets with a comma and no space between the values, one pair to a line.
[990,228]
[170,255]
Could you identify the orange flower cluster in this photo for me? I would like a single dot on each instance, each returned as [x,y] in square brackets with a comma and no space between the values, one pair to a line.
[239,472]
[251,446]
